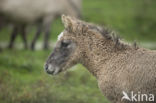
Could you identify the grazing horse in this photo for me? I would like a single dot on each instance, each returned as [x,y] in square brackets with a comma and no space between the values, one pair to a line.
[125,73]
[16,28]
[42,13]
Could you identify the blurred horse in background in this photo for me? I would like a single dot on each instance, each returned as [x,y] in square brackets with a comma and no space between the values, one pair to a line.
[41,13]
[16,28]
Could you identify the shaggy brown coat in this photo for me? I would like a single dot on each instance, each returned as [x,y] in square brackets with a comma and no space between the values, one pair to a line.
[117,66]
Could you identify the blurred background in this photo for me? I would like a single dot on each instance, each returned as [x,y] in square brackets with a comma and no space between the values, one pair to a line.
[22,77]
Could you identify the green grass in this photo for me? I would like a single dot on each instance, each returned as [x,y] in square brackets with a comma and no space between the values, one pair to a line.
[23,80]
[133,20]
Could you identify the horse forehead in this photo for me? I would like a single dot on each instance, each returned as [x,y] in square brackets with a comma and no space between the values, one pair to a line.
[60,36]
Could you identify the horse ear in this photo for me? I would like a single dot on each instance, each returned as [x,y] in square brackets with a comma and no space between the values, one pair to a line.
[72,24]
[67,21]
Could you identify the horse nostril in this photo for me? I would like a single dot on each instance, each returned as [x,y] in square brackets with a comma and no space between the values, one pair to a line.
[46,67]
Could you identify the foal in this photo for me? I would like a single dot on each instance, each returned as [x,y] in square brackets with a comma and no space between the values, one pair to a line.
[120,69]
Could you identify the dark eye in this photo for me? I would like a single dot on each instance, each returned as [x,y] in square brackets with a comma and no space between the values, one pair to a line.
[64,44]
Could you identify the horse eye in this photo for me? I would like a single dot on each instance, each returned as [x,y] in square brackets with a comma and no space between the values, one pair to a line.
[64,44]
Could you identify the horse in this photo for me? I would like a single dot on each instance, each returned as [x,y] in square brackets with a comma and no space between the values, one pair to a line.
[38,12]
[121,69]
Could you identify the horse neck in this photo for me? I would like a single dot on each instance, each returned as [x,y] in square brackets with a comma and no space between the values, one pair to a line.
[96,53]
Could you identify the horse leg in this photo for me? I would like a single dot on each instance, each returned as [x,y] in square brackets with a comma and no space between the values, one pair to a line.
[47,26]
[23,35]
[13,36]
[1,24]
[0,27]
[39,30]
[46,37]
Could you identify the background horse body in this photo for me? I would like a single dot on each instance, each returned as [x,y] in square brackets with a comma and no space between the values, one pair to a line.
[42,13]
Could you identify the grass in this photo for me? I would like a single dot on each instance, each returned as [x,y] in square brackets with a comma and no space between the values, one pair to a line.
[133,20]
[23,80]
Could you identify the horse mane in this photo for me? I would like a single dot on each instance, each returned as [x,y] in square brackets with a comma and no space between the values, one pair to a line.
[110,35]
[82,27]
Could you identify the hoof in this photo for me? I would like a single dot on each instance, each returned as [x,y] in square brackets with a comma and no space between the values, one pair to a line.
[10,46]
[45,47]
[32,47]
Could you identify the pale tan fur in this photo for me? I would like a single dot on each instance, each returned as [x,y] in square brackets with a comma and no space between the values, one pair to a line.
[32,10]
[117,69]
[42,13]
